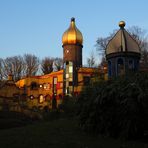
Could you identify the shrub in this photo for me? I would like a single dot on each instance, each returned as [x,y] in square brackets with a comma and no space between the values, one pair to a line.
[116,108]
[69,106]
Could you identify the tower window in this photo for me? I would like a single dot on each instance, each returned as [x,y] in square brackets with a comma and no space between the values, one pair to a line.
[130,63]
[109,68]
[120,66]
[70,69]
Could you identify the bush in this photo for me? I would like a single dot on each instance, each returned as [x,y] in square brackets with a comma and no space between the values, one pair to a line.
[69,106]
[116,108]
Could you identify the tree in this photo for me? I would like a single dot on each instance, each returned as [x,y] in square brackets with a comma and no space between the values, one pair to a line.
[47,65]
[102,42]
[116,108]
[1,69]
[13,65]
[31,64]
[58,63]
[91,61]
[144,58]
[139,35]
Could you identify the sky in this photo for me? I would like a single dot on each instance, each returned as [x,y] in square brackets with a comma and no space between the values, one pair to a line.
[36,26]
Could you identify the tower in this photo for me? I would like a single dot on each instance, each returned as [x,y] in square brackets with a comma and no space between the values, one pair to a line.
[72,40]
[122,53]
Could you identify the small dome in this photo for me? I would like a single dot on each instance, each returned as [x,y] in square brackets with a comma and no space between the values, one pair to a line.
[122,42]
[72,35]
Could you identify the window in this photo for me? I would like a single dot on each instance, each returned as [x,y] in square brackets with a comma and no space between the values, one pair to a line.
[33,85]
[120,66]
[67,75]
[40,85]
[41,99]
[109,68]
[31,97]
[130,63]
[70,69]
[55,80]
[46,86]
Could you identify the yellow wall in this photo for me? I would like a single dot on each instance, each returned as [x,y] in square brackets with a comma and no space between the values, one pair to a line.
[44,87]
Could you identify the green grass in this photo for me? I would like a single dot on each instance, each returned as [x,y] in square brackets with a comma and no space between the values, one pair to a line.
[63,133]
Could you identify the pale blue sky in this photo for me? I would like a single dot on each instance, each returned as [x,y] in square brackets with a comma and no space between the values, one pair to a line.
[36,26]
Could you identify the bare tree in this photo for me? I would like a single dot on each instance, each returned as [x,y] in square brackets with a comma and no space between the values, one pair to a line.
[144,57]
[58,62]
[47,65]
[13,65]
[102,42]
[31,64]
[91,60]
[1,69]
[18,67]
[139,35]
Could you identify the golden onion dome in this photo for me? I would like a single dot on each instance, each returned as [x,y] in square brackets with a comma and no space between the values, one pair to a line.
[72,35]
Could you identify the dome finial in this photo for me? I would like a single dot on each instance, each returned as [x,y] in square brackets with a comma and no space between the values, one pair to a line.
[72,19]
[122,24]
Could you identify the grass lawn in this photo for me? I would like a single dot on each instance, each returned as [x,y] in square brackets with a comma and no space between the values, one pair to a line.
[60,133]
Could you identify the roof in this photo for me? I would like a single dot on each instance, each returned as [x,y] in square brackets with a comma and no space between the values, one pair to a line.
[87,70]
[122,42]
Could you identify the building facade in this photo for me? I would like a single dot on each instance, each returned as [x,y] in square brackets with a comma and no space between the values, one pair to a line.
[42,91]
[122,54]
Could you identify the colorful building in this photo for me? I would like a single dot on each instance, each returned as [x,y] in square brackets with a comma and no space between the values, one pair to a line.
[122,54]
[49,90]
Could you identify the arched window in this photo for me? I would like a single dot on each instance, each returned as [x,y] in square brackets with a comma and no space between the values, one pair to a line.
[41,98]
[131,64]
[34,85]
[136,64]
[120,66]
[109,68]
[31,97]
